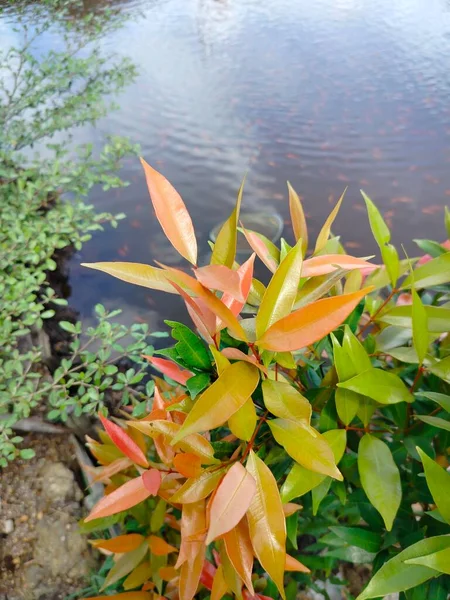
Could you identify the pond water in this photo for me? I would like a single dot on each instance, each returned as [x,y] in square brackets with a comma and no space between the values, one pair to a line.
[325,94]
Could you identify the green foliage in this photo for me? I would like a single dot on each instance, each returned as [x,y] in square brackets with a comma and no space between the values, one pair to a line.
[43,97]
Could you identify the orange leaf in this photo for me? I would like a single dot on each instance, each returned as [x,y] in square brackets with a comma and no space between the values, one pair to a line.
[188,464]
[127,495]
[328,263]
[160,547]
[236,354]
[167,573]
[104,473]
[239,550]
[231,501]
[266,522]
[170,369]
[311,322]
[292,564]
[264,249]
[245,272]
[171,213]
[204,319]
[124,442]
[219,586]
[190,575]
[119,544]
[298,218]
[200,487]
[124,596]
[152,481]
[193,520]
[222,278]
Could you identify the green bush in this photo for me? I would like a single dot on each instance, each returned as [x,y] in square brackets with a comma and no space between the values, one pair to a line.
[43,97]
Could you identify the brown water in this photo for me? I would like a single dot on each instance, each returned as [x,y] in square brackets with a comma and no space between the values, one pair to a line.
[325,94]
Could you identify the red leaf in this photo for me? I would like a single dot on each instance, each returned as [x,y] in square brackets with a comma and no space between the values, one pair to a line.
[207,575]
[152,481]
[245,272]
[222,278]
[170,369]
[124,442]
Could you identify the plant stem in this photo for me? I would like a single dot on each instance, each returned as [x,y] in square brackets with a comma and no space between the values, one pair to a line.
[377,312]
[253,438]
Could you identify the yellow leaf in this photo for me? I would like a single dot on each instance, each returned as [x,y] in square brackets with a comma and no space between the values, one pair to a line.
[284,401]
[306,446]
[221,400]
[190,576]
[310,323]
[196,489]
[281,292]
[232,579]
[230,502]
[239,550]
[143,275]
[126,563]
[193,520]
[171,213]
[138,576]
[242,424]
[322,238]
[225,244]
[266,522]
[298,218]
[221,361]
[195,443]
[219,587]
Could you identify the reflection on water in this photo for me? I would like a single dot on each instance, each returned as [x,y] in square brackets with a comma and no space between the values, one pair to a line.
[325,94]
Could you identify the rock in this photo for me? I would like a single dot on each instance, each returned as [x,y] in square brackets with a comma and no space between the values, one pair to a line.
[59,484]
[7,526]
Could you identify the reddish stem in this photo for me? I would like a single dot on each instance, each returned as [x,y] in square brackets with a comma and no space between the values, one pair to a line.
[377,312]
[253,438]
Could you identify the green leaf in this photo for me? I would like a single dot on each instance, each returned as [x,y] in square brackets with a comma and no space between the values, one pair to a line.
[197,384]
[359,536]
[440,399]
[383,386]
[27,454]
[347,404]
[401,316]
[441,368]
[319,493]
[397,575]
[432,248]
[242,424]
[379,228]
[190,347]
[419,326]
[438,481]
[380,477]
[390,258]
[356,351]
[447,221]
[434,272]
[352,554]
[224,250]
[440,561]
[435,422]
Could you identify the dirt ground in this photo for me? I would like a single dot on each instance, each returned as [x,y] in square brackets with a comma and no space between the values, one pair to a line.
[42,555]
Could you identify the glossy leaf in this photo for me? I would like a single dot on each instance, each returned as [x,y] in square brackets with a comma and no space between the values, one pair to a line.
[189,346]
[383,386]
[221,278]
[193,521]
[124,596]
[152,481]
[264,249]
[401,316]
[310,323]
[440,561]
[245,272]
[188,464]
[292,564]
[281,292]
[284,401]
[396,575]
[267,524]
[441,368]
[435,422]
[438,480]
[160,547]
[170,369]
[306,446]
[324,234]
[220,359]
[138,576]
[231,501]
[298,218]
[225,245]
[359,536]
[124,442]
[242,424]
[190,576]
[390,258]
[434,272]
[124,565]
[219,587]
[171,213]
[120,544]
[380,477]
[329,263]
[379,228]
[199,487]
[440,399]
[136,273]
[419,326]
[127,495]
[221,400]
[194,443]
[355,350]
[239,550]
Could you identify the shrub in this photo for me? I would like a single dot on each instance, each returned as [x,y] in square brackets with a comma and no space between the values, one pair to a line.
[333,389]
[43,95]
